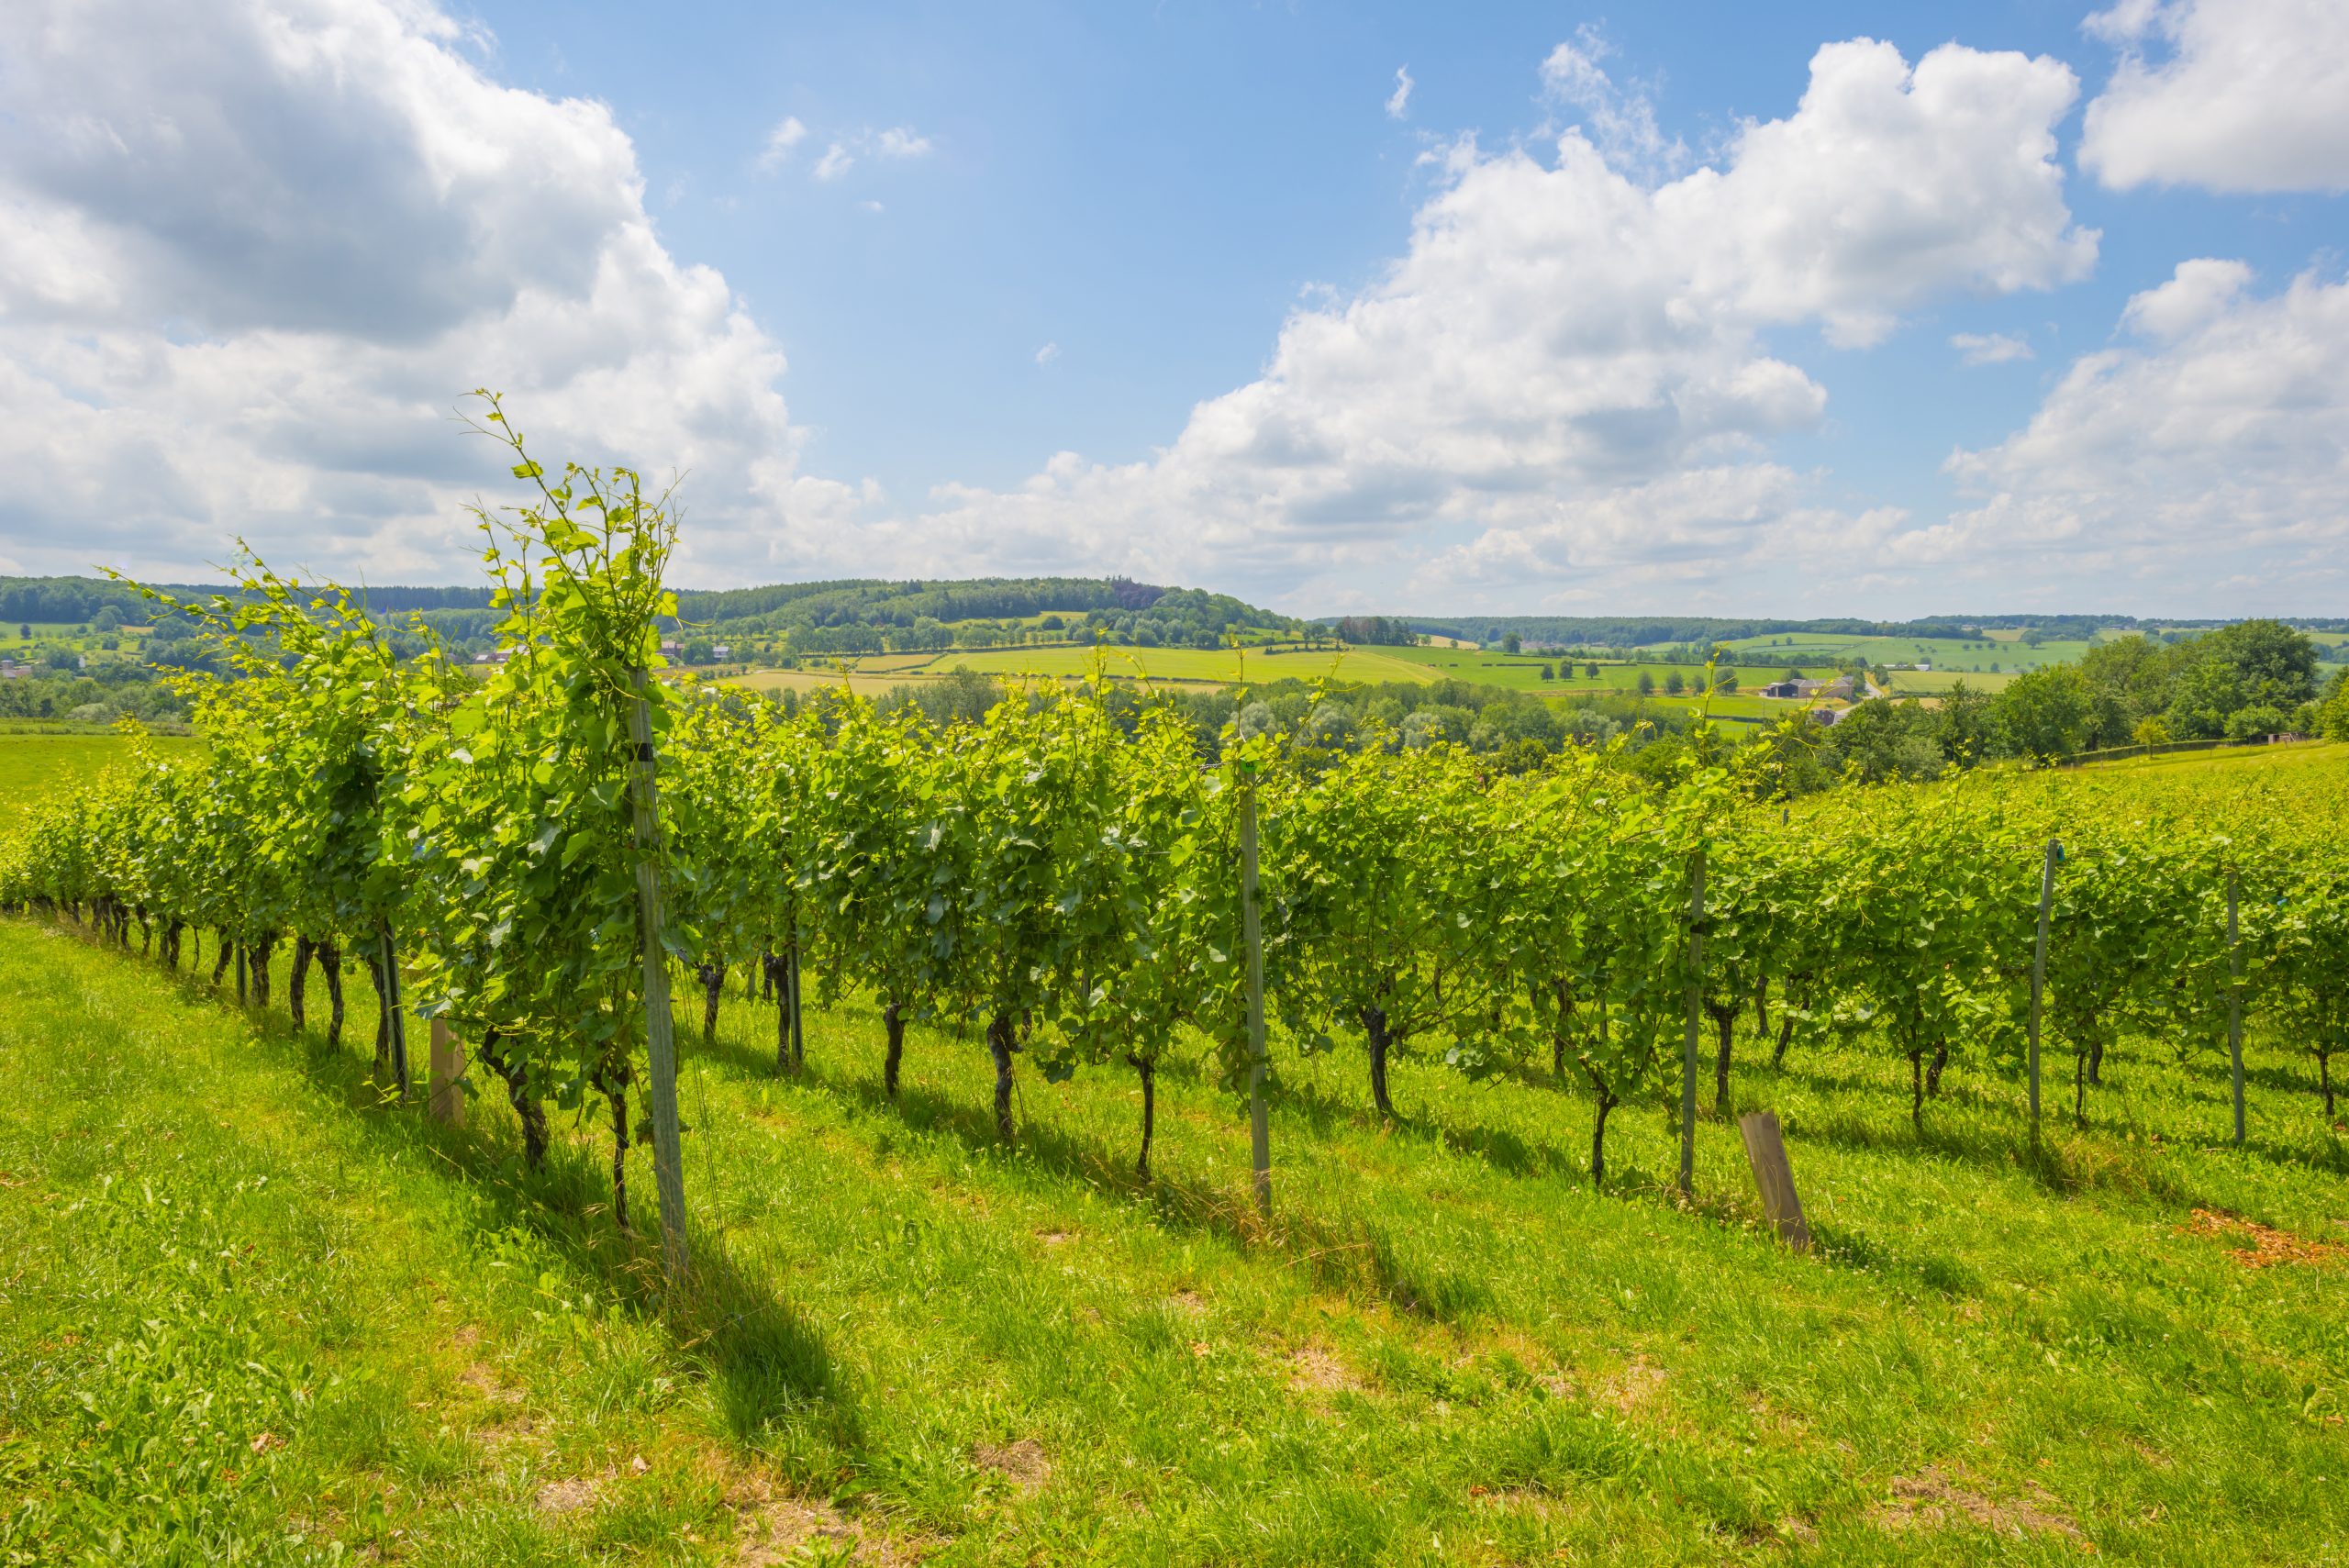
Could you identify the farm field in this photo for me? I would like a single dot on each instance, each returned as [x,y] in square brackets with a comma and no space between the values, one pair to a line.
[1936,681]
[2299,760]
[1947,655]
[1446,1348]
[35,765]
[1184,665]
[1199,669]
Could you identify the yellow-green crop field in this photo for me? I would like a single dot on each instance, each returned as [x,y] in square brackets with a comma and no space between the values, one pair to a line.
[36,764]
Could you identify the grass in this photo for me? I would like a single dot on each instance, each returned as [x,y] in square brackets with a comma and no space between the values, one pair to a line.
[2273,763]
[1190,665]
[249,1309]
[1937,681]
[1948,656]
[1186,668]
[38,763]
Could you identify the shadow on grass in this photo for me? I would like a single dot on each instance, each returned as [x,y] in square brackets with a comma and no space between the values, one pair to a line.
[1354,1256]
[1510,1152]
[763,1361]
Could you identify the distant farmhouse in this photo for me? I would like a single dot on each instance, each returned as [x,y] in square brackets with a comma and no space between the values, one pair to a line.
[1836,689]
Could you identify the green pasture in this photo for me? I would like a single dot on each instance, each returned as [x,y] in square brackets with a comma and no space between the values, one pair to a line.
[36,763]
[1947,655]
[1935,681]
[1188,665]
[2270,763]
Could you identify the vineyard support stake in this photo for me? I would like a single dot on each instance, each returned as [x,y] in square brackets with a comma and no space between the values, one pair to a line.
[2234,1004]
[1688,1050]
[799,1040]
[1252,923]
[444,1101]
[2039,971]
[660,1040]
[393,1011]
[1774,1178]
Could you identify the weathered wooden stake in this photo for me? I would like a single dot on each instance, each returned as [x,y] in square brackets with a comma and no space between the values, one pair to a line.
[2234,1004]
[1251,926]
[2039,970]
[1765,1151]
[1688,1052]
[659,1039]
[444,1099]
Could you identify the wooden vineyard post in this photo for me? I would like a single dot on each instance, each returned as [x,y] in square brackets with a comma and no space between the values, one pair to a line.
[2039,969]
[798,1041]
[394,1010]
[444,1100]
[2234,1004]
[1688,1051]
[1252,923]
[1765,1151]
[659,1040]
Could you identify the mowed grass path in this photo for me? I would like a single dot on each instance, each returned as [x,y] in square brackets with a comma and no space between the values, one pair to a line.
[247,1309]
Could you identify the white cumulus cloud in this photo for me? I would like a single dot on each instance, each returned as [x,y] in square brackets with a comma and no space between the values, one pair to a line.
[1621,123]
[1989,348]
[1563,386]
[2228,94]
[1399,102]
[2225,435]
[787,133]
[250,256]
[836,162]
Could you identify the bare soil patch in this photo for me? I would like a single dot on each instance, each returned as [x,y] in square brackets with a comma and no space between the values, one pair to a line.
[1931,1501]
[567,1496]
[1317,1368]
[1022,1462]
[2257,1246]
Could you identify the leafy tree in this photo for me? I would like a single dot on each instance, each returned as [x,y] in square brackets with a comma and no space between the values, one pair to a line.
[2043,714]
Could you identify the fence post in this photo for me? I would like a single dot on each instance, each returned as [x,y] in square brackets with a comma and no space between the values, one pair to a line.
[798,1040]
[1688,1050]
[394,1010]
[2234,1003]
[2039,971]
[1774,1178]
[1251,924]
[445,1100]
[659,1040]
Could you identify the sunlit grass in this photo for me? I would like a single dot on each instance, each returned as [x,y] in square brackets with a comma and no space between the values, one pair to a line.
[1446,1347]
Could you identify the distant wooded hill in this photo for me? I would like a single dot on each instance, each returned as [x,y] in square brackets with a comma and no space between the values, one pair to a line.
[1640,631]
[845,615]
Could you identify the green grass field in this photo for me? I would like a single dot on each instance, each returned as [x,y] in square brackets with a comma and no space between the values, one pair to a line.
[1198,669]
[250,1311]
[1948,656]
[1933,682]
[38,763]
[2273,762]
[1188,665]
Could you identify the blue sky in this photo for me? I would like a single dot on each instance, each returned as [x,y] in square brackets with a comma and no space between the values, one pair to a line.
[1152,187]
[1178,241]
